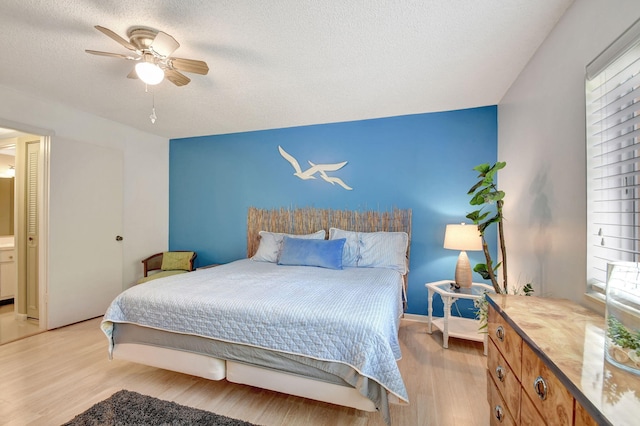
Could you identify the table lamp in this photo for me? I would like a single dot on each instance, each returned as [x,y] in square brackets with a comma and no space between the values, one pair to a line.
[462,237]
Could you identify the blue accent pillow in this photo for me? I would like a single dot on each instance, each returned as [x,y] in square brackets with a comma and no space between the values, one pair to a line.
[304,252]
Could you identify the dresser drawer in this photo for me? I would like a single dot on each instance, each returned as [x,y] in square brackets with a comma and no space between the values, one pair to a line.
[508,342]
[6,256]
[499,413]
[552,400]
[528,413]
[504,379]
[582,418]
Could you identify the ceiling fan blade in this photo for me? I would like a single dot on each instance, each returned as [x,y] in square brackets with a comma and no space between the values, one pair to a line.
[163,44]
[116,37]
[115,55]
[133,74]
[176,78]
[190,65]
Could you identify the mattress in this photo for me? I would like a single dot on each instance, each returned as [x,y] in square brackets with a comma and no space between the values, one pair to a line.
[338,326]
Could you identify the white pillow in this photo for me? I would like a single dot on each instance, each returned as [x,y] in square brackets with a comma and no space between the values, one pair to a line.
[373,249]
[271,244]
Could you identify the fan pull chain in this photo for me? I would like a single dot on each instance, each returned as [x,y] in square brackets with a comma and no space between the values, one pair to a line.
[153,117]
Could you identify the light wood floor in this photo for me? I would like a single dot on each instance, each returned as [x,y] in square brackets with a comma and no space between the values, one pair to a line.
[49,378]
[12,329]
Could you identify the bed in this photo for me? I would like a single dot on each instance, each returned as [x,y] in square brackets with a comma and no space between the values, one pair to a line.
[303,324]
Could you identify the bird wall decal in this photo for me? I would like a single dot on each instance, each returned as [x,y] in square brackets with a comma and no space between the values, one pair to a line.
[332,180]
[315,168]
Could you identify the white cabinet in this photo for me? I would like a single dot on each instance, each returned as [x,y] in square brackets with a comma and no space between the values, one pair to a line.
[7,273]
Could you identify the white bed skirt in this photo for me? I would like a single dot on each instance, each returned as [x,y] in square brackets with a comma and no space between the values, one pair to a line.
[217,369]
[169,359]
[297,385]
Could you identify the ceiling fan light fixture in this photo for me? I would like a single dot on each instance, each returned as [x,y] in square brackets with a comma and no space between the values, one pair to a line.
[152,50]
[149,73]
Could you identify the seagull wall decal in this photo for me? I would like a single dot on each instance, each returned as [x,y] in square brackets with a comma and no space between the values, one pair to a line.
[315,168]
[332,180]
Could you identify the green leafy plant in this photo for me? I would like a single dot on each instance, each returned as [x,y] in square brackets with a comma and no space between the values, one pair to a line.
[485,192]
[482,313]
[527,290]
[615,386]
[621,336]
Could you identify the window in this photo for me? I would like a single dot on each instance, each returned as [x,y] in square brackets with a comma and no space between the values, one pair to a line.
[613,158]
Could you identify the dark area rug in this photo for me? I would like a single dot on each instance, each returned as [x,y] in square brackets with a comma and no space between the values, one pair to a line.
[131,408]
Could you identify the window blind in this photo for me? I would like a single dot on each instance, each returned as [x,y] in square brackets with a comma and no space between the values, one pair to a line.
[613,158]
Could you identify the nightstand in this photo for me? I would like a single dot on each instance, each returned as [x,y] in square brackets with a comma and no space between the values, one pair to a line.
[462,328]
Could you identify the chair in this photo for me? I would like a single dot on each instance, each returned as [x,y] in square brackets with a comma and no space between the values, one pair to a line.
[168,263]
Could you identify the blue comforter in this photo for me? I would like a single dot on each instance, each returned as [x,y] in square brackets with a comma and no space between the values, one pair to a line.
[349,316]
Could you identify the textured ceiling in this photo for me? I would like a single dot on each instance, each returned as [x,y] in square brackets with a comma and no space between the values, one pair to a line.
[277,63]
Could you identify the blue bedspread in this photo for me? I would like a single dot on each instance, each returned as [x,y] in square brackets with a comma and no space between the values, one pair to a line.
[349,316]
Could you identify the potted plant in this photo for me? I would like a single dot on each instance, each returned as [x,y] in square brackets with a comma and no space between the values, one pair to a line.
[486,193]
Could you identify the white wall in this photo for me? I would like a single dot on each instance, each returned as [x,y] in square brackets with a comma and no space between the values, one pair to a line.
[146,180]
[5,162]
[541,136]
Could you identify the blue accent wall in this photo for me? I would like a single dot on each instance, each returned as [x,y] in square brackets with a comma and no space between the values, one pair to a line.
[423,162]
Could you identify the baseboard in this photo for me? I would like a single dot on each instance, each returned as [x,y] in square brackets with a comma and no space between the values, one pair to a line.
[416,318]
[21,317]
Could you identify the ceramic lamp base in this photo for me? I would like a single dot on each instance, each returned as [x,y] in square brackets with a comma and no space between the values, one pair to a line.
[463,271]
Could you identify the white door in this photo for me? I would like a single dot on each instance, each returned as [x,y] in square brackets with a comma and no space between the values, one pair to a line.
[85,219]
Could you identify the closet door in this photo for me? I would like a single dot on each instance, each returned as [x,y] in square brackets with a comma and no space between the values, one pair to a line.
[31,219]
[85,221]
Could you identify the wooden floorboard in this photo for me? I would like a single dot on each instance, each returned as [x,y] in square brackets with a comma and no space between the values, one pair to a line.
[48,378]
[13,329]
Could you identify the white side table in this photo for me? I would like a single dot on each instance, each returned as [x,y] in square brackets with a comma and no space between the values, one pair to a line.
[462,328]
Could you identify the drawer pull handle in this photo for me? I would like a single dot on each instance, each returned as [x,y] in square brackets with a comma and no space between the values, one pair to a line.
[500,373]
[540,386]
[498,413]
[500,333]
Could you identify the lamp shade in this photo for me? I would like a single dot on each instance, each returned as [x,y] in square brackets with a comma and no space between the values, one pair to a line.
[462,237]
[149,73]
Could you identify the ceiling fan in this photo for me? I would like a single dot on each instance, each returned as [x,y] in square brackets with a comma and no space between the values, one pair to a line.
[152,50]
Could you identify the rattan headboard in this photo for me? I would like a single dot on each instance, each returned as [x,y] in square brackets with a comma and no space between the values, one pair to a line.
[308,220]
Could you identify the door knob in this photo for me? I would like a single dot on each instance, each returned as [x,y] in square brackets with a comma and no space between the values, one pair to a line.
[118,238]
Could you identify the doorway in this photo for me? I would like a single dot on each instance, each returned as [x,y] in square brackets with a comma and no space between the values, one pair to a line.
[20,154]
[81,221]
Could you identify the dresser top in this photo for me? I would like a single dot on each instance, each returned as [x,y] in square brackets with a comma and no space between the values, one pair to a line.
[570,340]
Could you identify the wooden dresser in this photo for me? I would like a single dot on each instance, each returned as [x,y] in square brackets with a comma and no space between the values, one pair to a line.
[546,366]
